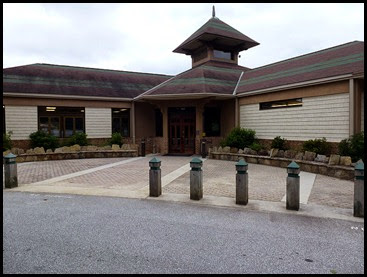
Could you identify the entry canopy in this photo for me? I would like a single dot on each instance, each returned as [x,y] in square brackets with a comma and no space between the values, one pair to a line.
[217,34]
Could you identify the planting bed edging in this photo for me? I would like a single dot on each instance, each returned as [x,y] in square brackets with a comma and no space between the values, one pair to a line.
[337,171]
[76,155]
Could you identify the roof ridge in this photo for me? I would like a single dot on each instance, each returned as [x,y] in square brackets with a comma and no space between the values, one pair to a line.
[304,55]
[92,68]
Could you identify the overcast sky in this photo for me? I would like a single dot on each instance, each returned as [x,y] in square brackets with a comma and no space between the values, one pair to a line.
[141,37]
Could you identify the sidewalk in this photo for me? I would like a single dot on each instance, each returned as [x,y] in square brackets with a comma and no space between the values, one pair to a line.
[321,196]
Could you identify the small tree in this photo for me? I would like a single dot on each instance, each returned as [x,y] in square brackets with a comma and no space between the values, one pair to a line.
[353,147]
[77,138]
[279,143]
[319,146]
[116,138]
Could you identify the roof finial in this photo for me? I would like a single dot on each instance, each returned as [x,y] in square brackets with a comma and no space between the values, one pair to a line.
[213,13]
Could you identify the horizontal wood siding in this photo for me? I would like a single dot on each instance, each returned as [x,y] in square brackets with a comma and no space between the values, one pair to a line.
[98,122]
[362,111]
[21,120]
[321,116]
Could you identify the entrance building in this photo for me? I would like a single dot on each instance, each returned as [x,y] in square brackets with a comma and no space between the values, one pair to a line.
[316,95]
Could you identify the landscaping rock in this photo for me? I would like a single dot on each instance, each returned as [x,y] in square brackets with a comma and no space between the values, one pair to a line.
[75,148]
[263,152]
[214,149]
[6,152]
[91,148]
[107,147]
[49,151]
[115,147]
[226,149]
[125,147]
[290,154]
[233,150]
[220,149]
[273,152]
[246,150]
[240,151]
[66,149]
[252,152]
[345,160]
[334,159]
[309,156]
[57,150]
[299,156]
[30,151]
[321,158]
[280,154]
[39,150]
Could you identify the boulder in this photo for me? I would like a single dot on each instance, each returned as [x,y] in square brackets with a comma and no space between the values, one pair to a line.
[240,151]
[334,159]
[124,147]
[273,152]
[345,160]
[233,150]
[252,152]
[280,154]
[321,158]
[49,151]
[309,156]
[30,151]
[58,150]
[39,150]
[299,156]
[220,149]
[66,149]
[75,148]
[290,154]
[115,147]
[214,149]
[91,148]
[247,150]
[226,149]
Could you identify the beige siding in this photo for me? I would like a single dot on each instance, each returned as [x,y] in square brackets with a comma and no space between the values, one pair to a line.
[21,120]
[362,111]
[321,116]
[98,122]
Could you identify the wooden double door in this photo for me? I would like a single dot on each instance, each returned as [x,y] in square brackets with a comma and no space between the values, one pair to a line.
[181,128]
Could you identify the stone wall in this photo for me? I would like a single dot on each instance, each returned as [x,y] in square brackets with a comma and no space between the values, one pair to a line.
[337,171]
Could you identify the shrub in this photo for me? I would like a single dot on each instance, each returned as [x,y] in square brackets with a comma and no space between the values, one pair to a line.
[77,138]
[7,141]
[279,143]
[256,146]
[239,138]
[319,146]
[116,139]
[353,147]
[43,139]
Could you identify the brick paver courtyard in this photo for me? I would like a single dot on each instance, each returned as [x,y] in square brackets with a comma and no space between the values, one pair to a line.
[266,183]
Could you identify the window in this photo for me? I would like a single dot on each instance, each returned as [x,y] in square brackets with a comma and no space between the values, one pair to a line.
[61,121]
[158,123]
[281,104]
[121,121]
[223,55]
[212,121]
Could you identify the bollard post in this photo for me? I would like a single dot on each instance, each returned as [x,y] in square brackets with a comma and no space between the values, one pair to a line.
[293,190]
[203,148]
[358,205]
[142,146]
[241,183]
[10,168]
[155,183]
[196,179]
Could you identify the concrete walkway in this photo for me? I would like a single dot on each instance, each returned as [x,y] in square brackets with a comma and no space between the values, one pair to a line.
[321,196]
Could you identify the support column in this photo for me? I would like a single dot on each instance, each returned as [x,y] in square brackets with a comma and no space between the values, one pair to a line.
[351,107]
[132,121]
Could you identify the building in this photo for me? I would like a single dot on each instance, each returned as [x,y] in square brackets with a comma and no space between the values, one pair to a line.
[316,95]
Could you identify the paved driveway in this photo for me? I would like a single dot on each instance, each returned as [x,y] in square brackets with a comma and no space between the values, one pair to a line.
[129,177]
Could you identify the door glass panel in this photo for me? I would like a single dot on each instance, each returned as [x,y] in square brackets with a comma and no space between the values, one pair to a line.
[115,125]
[44,124]
[55,126]
[79,125]
[69,122]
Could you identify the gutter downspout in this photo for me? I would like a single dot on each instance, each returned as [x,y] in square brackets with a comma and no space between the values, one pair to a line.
[236,110]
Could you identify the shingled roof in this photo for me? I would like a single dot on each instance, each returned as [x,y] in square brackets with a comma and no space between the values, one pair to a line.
[216,30]
[335,61]
[51,79]
[211,78]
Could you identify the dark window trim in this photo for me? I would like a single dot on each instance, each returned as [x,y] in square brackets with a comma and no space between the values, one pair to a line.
[281,104]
